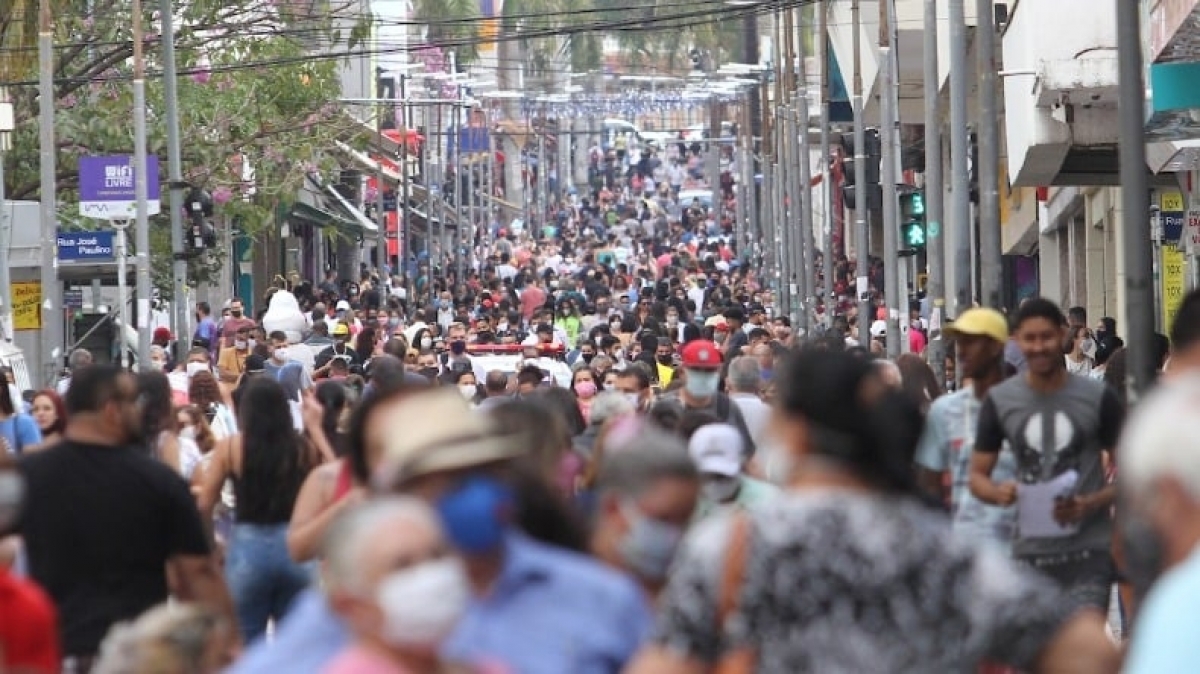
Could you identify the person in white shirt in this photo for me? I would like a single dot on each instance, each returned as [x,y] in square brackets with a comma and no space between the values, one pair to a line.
[744,381]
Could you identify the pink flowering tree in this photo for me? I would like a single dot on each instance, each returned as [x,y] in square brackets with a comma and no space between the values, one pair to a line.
[256,97]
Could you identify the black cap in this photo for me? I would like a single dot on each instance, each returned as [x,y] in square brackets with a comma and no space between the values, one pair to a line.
[735,314]
[757,309]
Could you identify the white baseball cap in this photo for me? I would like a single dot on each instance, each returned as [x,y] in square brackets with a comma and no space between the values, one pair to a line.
[342,305]
[717,449]
[879,328]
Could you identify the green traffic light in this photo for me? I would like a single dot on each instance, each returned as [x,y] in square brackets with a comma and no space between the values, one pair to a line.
[917,205]
[913,234]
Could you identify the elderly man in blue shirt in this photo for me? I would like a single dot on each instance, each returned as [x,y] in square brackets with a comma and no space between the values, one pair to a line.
[537,609]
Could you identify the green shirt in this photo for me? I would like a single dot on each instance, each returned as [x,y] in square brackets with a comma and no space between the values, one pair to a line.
[752,494]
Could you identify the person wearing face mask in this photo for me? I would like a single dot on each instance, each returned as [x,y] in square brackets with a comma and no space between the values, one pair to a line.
[233,324]
[89,503]
[231,362]
[718,451]
[1081,353]
[647,493]
[634,383]
[1159,508]
[340,350]
[463,467]
[583,385]
[392,579]
[282,368]
[701,369]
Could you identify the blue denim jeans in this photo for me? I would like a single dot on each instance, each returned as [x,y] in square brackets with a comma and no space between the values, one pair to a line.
[261,575]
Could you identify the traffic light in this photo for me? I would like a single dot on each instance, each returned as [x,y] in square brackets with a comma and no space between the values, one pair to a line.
[874,151]
[200,232]
[912,220]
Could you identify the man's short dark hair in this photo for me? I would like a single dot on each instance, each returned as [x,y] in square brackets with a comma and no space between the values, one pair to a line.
[530,374]
[199,351]
[1040,307]
[495,382]
[638,372]
[1077,315]
[1185,331]
[92,387]
[758,333]
[277,336]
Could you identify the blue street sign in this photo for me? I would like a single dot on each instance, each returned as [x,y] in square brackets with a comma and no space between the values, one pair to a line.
[86,247]
[106,189]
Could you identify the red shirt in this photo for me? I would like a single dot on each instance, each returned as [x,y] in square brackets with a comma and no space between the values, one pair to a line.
[28,627]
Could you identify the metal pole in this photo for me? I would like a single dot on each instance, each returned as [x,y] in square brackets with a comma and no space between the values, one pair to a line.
[142,231]
[935,248]
[1135,198]
[381,256]
[862,232]
[402,226]
[53,339]
[827,187]
[122,288]
[458,190]
[960,203]
[892,291]
[176,185]
[785,161]
[808,260]
[991,274]
[6,320]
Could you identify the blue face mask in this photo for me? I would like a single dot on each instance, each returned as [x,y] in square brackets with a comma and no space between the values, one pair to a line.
[765,373]
[476,513]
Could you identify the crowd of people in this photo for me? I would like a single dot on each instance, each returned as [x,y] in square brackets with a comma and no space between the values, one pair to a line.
[603,449]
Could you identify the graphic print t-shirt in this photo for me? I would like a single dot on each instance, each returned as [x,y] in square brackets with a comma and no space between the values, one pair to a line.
[1051,433]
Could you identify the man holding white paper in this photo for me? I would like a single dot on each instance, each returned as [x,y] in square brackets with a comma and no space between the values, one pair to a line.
[1059,428]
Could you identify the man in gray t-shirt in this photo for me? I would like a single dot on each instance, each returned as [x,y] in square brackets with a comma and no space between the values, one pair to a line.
[1054,423]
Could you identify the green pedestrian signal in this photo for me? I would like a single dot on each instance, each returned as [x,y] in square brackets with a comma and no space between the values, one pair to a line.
[913,234]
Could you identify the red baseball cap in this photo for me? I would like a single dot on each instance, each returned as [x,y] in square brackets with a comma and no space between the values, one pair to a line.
[701,354]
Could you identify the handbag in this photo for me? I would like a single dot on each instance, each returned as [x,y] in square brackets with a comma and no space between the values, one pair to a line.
[743,659]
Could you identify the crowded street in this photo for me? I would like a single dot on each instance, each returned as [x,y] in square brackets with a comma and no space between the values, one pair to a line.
[791,337]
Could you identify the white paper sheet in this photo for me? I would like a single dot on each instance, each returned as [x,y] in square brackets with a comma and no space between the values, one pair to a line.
[1035,507]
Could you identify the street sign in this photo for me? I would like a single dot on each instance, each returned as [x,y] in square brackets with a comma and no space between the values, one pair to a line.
[73,299]
[86,247]
[1191,231]
[1171,215]
[106,189]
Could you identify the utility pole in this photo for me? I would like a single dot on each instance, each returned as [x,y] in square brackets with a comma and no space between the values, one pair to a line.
[176,183]
[53,318]
[888,129]
[827,186]
[960,200]
[862,235]
[934,188]
[807,262]
[1135,198]
[991,272]
[142,230]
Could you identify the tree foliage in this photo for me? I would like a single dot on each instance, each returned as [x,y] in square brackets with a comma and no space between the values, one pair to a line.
[257,112]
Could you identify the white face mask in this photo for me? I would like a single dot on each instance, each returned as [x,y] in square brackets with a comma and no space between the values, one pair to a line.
[635,400]
[468,391]
[702,383]
[426,343]
[241,344]
[188,432]
[158,364]
[195,368]
[12,492]
[281,354]
[422,604]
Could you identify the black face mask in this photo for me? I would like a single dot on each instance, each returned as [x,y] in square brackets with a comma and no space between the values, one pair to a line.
[458,347]
[666,360]
[587,357]
[428,372]
[236,313]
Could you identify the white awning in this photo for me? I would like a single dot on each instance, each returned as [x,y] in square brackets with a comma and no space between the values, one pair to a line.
[358,215]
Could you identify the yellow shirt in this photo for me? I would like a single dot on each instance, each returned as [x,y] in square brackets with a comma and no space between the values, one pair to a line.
[665,374]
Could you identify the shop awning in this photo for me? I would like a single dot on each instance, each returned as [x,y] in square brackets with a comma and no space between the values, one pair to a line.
[339,212]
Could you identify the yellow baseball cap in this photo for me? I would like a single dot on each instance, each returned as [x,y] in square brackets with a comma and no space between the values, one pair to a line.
[979,321]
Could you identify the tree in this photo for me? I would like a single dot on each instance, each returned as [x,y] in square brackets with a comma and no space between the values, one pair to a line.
[257,101]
